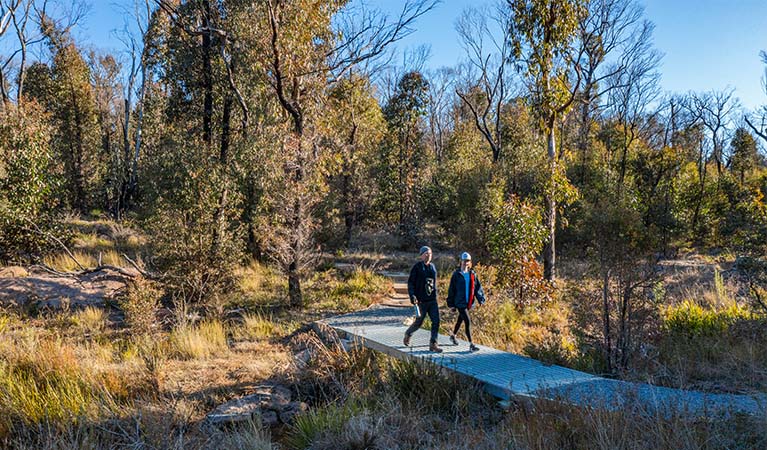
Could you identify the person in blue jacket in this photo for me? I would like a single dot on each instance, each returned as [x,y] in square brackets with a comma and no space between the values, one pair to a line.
[464,292]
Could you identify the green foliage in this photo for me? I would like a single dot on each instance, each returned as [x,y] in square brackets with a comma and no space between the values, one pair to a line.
[69,95]
[311,426]
[689,319]
[27,184]
[515,239]
[403,158]
[744,153]
[541,34]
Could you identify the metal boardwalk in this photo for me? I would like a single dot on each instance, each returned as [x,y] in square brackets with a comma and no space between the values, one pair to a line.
[509,376]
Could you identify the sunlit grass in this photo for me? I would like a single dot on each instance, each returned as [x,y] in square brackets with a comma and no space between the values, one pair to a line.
[199,341]
[331,290]
[256,327]
[93,242]
[261,284]
[63,263]
[90,321]
[44,379]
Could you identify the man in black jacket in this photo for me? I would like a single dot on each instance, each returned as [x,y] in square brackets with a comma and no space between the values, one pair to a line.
[422,288]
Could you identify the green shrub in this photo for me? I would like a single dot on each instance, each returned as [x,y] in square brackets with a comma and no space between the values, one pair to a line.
[691,319]
[311,426]
[515,240]
[140,306]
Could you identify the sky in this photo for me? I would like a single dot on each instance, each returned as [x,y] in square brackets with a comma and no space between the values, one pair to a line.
[707,44]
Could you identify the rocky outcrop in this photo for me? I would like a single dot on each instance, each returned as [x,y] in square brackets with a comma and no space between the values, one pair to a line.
[54,290]
[270,403]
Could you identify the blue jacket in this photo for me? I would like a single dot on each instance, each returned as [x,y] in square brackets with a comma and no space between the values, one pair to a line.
[456,293]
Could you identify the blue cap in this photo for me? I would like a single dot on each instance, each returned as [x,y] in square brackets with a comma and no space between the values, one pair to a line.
[465,256]
[424,249]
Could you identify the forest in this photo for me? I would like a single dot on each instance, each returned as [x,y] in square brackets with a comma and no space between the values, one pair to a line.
[242,168]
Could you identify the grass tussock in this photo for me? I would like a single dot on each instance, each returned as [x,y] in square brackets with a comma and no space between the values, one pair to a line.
[332,290]
[63,263]
[199,341]
[90,321]
[46,380]
[541,332]
[256,327]
[260,284]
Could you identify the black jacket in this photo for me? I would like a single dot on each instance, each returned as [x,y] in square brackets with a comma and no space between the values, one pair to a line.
[422,283]
[456,293]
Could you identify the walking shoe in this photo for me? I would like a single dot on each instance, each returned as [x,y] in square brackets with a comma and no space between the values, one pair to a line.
[434,348]
[473,348]
[406,340]
[453,339]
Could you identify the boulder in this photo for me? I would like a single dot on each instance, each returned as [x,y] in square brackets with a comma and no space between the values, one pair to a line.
[270,402]
[13,272]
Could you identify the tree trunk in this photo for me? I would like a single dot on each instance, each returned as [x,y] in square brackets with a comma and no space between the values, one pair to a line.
[347,187]
[223,161]
[606,316]
[207,79]
[549,250]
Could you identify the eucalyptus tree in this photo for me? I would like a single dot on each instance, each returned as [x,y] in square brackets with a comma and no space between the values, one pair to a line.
[612,36]
[302,53]
[541,36]
[486,85]
[356,118]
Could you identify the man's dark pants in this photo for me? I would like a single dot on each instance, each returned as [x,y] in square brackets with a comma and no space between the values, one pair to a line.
[432,309]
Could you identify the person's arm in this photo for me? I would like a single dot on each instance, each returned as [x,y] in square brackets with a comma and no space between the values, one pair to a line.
[479,293]
[451,292]
[436,293]
[411,283]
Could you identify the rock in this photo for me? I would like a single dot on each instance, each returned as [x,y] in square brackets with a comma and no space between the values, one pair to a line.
[268,402]
[238,410]
[290,412]
[273,396]
[13,272]
[55,291]
[269,419]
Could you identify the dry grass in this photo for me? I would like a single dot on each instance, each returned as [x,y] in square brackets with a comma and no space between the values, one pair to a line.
[44,379]
[63,263]
[199,341]
[90,321]
[260,284]
[257,327]
[331,290]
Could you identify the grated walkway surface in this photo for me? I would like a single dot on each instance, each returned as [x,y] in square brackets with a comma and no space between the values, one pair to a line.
[506,375]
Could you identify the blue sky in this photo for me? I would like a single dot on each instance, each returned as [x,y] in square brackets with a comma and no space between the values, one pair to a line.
[708,44]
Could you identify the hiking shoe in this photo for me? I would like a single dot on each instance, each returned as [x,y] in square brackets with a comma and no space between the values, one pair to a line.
[453,339]
[434,348]
[406,340]
[473,348]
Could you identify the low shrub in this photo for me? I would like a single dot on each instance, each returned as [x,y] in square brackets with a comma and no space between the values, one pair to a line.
[690,319]
[140,306]
[319,422]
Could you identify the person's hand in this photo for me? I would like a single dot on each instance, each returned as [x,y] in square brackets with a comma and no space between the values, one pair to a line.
[412,299]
